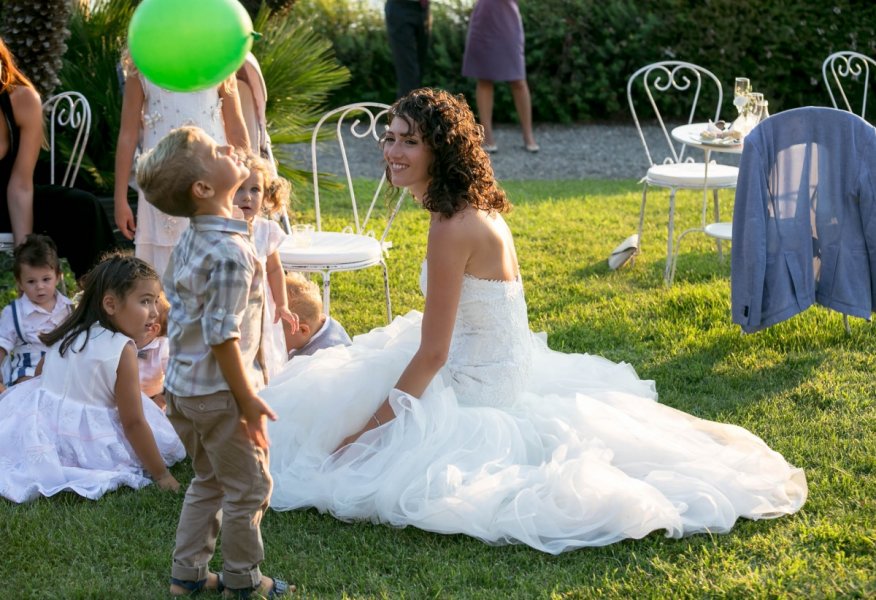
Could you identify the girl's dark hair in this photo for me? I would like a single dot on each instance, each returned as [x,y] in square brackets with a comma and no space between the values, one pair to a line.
[117,273]
[36,251]
[461,173]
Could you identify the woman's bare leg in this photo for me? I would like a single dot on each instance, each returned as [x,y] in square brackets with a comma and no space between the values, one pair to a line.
[523,104]
[484,100]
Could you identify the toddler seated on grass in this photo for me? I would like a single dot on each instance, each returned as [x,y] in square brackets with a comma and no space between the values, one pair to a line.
[316,330]
[40,308]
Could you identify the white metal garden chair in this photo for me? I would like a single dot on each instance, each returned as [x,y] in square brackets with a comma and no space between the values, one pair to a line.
[848,73]
[351,244]
[676,87]
[69,112]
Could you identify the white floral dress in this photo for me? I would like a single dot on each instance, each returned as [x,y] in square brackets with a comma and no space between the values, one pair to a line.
[163,111]
[267,237]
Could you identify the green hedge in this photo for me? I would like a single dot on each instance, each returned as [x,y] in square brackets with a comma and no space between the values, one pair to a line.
[581,52]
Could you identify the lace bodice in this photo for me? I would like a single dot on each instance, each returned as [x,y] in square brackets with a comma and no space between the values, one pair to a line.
[490,351]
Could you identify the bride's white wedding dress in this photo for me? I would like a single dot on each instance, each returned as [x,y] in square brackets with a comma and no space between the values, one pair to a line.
[511,442]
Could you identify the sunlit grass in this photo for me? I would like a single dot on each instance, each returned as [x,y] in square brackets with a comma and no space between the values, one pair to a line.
[804,386]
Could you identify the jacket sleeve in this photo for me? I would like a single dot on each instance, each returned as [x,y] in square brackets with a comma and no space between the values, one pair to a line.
[748,259]
[867,183]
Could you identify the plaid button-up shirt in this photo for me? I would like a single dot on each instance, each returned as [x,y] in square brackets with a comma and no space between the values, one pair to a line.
[214,286]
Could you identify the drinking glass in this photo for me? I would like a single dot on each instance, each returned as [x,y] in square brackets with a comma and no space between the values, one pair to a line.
[755,105]
[763,110]
[742,86]
[741,92]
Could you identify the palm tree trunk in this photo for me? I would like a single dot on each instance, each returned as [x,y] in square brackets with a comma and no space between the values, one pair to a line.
[36,32]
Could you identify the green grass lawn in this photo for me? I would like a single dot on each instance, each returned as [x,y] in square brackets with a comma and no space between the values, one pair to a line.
[804,386]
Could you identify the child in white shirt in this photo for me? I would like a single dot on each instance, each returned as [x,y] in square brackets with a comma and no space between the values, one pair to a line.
[39,309]
[261,196]
[153,354]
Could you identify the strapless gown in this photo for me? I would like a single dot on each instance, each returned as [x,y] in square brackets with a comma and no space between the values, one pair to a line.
[512,442]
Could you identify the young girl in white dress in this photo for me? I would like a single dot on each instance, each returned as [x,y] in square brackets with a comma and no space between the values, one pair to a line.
[84,426]
[148,114]
[459,420]
[260,197]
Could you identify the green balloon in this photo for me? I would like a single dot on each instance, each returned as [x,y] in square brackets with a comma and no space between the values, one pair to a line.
[189,45]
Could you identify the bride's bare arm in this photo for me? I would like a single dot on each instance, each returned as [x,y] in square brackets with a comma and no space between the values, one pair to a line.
[447,254]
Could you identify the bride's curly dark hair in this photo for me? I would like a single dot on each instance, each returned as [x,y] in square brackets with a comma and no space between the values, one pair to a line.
[461,173]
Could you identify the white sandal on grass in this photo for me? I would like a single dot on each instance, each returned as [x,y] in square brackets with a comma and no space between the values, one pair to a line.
[624,252]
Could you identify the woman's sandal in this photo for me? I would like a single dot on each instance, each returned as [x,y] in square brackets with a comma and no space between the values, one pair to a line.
[279,589]
[194,587]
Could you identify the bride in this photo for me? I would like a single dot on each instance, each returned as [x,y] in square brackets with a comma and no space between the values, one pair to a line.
[459,420]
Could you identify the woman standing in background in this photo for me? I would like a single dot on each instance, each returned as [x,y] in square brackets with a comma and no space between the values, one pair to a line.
[494,52]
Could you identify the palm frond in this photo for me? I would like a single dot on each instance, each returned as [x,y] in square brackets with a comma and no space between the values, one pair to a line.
[300,72]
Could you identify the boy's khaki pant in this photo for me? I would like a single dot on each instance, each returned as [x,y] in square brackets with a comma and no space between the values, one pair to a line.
[231,488]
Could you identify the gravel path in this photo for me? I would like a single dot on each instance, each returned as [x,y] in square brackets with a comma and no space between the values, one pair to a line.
[567,152]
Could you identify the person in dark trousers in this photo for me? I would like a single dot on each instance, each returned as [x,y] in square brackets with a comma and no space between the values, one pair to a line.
[408,25]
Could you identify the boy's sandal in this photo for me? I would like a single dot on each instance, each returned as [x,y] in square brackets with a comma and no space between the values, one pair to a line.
[193,587]
[279,589]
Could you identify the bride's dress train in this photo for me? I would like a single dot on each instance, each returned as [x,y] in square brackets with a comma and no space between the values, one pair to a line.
[512,442]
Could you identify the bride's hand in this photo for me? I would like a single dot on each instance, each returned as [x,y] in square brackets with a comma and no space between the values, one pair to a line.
[349,440]
[373,423]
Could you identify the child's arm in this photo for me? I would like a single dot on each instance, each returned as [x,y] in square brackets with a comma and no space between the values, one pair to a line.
[253,408]
[277,283]
[130,404]
[232,115]
[129,137]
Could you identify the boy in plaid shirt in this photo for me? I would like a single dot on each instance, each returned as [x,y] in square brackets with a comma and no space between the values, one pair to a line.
[213,283]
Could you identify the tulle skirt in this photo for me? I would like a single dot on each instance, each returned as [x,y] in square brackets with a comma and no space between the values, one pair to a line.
[584,456]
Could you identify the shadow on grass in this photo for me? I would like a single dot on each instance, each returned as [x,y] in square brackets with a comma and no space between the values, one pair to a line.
[638,317]
[395,558]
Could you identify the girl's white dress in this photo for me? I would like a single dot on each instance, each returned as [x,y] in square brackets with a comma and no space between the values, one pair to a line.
[163,111]
[511,442]
[267,237]
[62,431]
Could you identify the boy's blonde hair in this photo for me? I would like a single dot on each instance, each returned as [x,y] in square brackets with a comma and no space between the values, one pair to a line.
[303,298]
[167,173]
[275,196]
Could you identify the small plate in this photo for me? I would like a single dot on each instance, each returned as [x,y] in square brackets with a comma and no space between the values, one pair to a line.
[720,141]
